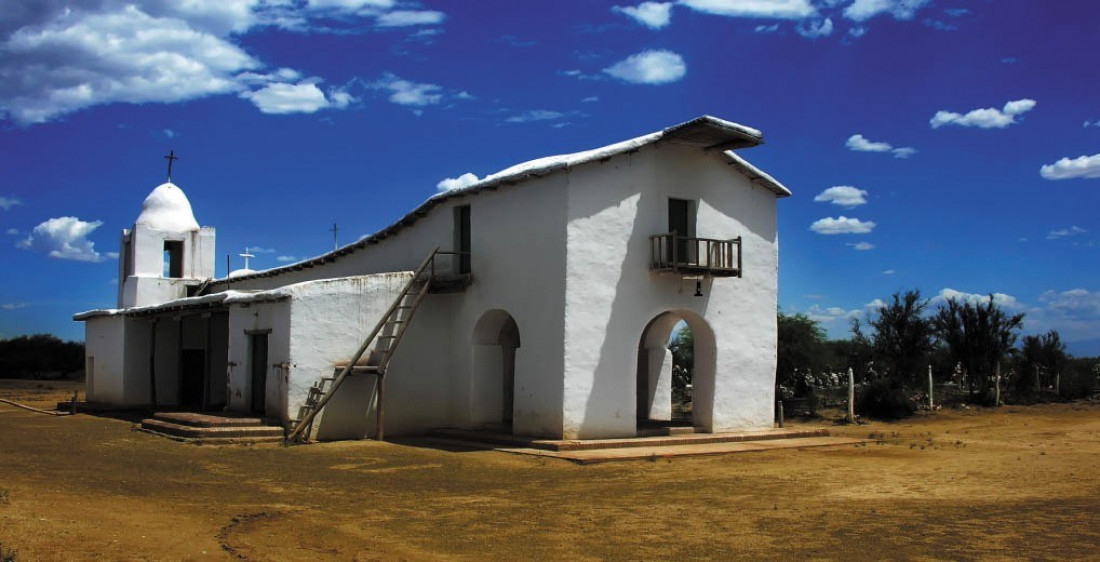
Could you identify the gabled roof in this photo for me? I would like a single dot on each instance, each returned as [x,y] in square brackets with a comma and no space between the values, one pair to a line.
[708,133]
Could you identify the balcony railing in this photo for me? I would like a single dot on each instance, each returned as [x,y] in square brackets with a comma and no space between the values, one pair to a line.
[695,256]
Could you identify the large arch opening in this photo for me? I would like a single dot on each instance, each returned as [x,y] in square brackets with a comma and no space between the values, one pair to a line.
[660,402]
[492,393]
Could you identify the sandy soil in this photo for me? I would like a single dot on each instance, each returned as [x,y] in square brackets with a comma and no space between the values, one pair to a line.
[1015,483]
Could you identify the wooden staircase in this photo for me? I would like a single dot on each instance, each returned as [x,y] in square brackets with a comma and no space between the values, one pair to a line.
[381,344]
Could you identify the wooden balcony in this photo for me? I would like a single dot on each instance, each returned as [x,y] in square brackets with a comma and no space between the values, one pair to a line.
[695,256]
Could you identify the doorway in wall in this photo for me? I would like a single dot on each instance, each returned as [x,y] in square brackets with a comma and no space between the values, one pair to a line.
[496,340]
[257,366]
[675,377]
[192,374]
[681,220]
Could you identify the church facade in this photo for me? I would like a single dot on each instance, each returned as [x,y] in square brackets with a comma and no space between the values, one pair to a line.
[539,300]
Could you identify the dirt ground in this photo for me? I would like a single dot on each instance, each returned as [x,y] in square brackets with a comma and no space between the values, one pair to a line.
[1015,483]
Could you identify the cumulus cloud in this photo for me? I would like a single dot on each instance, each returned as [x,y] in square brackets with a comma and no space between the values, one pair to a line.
[843,195]
[1066,232]
[779,9]
[653,15]
[1002,300]
[813,30]
[64,238]
[7,203]
[861,246]
[406,18]
[304,97]
[461,182]
[285,259]
[767,28]
[75,59]
[859,143]
[988,118]
[841,225]
[59,58]
[404,92]
[889,271]
[1066,168]
[1091,123]
[863,10]
[649,67]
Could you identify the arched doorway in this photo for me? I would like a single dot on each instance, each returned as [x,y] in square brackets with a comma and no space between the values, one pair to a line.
[657,406]
[492,391]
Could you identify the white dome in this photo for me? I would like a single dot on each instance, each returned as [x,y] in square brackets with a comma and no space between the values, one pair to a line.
[241,272]
[167,209]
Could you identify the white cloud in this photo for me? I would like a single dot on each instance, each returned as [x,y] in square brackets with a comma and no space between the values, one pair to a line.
[649,67]
[169,133]
[535,115]
[863,10]
[590,99]
[861,246]
[859,143]
[285,259]
[889,272]
[843,195]
[767,28]
[13,232]
[988,118]
[653,15]
[812,30]
[304,97]
[64,238]
[780,9]
[259,250]
[1080,167]
[1002,300]
[406,18]
[7,203]
[74,58]
[351,5]
[14,305]
[1066,232]
[841,225]
[1092,123]
[404,92]
[461,182]
[857,32]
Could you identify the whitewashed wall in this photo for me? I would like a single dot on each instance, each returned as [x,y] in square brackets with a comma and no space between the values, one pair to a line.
[103,340]
[610,297]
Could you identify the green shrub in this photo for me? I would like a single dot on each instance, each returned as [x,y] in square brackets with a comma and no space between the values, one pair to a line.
[884,400]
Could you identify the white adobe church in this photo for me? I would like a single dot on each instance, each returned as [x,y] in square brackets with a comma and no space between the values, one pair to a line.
[538,301]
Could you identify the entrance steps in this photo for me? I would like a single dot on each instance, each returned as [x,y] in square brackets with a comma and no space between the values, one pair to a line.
[682,436]
[210,429]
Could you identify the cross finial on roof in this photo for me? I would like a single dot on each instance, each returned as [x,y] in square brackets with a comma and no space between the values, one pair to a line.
[170,158]
[246,255]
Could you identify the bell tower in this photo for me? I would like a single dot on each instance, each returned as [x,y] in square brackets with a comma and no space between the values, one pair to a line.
[166,251]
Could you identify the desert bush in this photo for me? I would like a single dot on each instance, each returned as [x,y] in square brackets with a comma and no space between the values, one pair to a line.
[884,400]
[6,554]
[1078,379]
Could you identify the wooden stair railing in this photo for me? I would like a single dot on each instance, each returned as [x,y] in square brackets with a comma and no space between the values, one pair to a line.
[385,335]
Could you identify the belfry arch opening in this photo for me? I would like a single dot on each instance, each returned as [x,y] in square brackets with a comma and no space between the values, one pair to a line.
[676,389]
[495,341]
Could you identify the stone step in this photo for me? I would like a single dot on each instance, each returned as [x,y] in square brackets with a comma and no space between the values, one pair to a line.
[622,443]
[240,433]
[195,419]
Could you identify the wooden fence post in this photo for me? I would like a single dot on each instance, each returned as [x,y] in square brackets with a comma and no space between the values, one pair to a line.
[851,396]
[931,402]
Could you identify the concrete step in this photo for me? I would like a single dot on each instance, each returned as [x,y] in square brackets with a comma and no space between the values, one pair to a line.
[195,419]
[623,443]
[204,428]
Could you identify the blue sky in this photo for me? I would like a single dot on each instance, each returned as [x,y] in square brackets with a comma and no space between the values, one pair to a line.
[949,146]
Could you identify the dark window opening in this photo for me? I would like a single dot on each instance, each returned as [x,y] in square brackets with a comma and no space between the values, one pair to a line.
[462,237]
[173,258]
